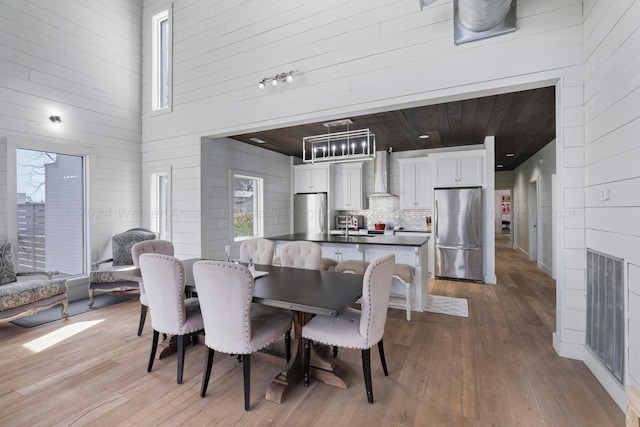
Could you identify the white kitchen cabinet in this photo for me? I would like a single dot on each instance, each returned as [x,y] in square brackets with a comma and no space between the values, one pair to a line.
[311,179]
[347,186]
[458,172]
[341,252]
[416,189]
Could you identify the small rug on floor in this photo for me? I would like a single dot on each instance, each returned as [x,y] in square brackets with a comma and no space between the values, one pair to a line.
[75,307]
[447,305]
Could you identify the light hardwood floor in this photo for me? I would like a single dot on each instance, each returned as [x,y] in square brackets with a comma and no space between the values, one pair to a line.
[494,368]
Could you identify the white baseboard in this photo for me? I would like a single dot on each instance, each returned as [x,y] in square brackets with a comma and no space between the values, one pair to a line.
[608,381]
[567,349]
[546,269]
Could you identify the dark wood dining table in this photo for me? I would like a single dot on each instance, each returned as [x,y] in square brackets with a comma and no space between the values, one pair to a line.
[306,293]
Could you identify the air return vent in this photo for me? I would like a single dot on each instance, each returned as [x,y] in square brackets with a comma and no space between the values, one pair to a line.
[605,310]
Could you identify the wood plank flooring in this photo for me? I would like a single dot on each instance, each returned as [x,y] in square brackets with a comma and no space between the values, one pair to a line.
[495,368]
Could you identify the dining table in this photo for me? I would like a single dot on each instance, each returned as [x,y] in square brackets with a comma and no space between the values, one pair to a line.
[306,293]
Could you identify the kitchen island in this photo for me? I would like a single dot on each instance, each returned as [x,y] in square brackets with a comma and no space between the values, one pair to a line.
[411,250]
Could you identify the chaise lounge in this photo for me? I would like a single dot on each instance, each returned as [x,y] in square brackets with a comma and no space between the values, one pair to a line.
[26,293]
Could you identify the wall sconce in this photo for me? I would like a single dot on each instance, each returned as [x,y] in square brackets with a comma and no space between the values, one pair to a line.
[55,119]
[277,79]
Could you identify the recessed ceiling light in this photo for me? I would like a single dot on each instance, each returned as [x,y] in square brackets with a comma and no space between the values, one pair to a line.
[424,137]
[499,166]
[510,154]
[257,140]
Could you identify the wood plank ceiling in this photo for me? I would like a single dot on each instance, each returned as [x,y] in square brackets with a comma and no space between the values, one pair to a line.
[522,122]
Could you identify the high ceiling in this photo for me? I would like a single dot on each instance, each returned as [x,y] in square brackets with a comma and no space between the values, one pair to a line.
[522,122]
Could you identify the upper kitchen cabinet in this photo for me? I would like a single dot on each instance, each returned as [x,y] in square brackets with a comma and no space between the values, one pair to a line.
[458,171]
[347,186]
[416,188]
[311,179]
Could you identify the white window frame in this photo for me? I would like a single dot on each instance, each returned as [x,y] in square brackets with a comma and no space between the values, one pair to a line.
[156,20]
[155,204]
[258,205]
[45,144]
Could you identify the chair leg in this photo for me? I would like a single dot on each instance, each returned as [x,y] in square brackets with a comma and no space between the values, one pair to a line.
[366,368]
[91,293]
[382,359]
[207,371]
[246,369]
[307,362]
[143,317]
[154,346]
[287,344]
[408,289]
[180,358]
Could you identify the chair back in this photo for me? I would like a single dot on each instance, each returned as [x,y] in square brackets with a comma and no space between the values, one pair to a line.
[225,291]
[164,247]
[163,276]
[301,254]
[376,287]
[122,243]
[261,250]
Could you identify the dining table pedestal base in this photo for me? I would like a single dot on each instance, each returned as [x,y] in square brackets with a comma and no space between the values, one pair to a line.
[321,369]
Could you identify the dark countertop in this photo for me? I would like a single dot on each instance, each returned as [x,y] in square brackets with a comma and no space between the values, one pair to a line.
[370,239]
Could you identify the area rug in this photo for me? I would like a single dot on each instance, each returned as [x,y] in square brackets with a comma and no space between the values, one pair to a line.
[76,307]
[447,305]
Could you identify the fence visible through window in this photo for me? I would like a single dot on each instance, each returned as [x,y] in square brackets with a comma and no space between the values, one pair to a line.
[30,252]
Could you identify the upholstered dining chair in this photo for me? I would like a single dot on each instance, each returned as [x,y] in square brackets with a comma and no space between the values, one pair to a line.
[148,247]
[231,326]
[171,313]
[361,329]
[260,250]
[301,254]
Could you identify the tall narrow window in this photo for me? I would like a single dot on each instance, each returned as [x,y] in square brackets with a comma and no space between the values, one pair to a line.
[161,60]
[160,204]
[50,212]
[247,206]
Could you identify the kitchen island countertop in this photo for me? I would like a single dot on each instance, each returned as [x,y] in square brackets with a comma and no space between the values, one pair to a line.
[366,239]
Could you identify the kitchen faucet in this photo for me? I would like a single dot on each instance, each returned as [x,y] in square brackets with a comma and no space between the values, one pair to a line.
[346,227]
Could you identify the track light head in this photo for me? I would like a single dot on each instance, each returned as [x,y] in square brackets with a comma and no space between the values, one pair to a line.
[277,79]
[55,119]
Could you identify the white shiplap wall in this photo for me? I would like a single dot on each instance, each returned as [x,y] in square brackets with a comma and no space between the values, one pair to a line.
[612,148]
[82,60]
[220,157]
[539,168]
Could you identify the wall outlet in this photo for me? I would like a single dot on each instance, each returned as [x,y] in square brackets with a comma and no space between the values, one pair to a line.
[604,194]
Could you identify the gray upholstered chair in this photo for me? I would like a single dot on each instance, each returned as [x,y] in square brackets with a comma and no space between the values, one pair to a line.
[148,247]
[361,329]
[301,254]
[171,313]
[231,326]
[103,277]
[260,250]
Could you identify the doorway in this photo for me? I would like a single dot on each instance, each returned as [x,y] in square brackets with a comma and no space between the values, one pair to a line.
[533,220]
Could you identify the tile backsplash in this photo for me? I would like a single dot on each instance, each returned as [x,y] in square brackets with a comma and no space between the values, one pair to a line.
[387,210]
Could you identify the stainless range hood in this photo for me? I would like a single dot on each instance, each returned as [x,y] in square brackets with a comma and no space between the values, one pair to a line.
[381,175]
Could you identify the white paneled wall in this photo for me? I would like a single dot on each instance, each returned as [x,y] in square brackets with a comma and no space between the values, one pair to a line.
[81,60]
[220,156]
[611,149]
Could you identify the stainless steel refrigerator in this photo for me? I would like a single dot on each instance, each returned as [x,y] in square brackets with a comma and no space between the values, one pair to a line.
[457,233]
[310,213]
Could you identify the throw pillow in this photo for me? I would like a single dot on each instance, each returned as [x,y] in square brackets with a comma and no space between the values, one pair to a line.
[122,243]
[7,268]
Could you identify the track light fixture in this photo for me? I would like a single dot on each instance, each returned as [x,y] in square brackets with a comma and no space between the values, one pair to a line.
[277,79]
[55,119]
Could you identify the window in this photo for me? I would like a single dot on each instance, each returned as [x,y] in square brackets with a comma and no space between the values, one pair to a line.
[159,216]
[50,212]
[161,61]
[247,207]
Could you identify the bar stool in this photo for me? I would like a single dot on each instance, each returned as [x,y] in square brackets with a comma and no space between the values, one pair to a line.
[405,274]
[352,266]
